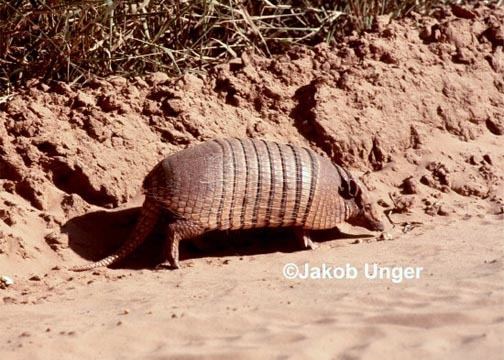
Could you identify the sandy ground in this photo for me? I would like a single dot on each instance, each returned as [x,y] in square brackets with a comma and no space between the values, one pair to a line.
[415,108]
[247,308]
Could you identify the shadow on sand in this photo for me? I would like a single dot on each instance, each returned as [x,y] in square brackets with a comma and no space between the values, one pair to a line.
[98,234]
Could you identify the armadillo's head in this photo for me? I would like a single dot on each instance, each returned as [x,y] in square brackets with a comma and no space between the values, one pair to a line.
[362,210]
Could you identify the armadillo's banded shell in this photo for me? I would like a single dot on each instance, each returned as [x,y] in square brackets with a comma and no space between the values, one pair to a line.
[246,183]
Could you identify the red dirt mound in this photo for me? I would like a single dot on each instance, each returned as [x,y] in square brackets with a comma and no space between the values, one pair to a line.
[416,105]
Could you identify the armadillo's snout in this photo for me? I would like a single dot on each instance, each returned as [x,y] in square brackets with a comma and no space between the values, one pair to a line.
[371,220]
[367,221]
[375,225]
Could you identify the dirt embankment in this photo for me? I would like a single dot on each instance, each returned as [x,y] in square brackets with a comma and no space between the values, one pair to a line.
[416,106]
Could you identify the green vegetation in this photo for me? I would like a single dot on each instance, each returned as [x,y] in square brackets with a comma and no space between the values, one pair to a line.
[72,39]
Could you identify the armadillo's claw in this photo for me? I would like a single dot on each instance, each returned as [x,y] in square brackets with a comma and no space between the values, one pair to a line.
[167,265]
[305,240]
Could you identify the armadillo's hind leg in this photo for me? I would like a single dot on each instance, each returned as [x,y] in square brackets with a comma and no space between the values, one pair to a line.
[304,239]
[175,232]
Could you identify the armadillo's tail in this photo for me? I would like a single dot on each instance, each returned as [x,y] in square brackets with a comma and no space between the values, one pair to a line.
[148,217]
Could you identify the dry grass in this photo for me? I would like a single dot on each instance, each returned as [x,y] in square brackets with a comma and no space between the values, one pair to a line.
[71,40]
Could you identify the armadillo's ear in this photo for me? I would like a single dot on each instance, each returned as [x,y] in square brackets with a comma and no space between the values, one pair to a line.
[354,188]
[349,189]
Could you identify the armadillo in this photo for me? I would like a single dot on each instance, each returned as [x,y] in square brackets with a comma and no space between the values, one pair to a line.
[228,184]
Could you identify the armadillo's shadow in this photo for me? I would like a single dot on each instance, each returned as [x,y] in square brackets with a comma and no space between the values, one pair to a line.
[97,234]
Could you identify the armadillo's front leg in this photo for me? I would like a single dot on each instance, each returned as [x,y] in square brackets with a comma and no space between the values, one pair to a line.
[175,232]
[305,240]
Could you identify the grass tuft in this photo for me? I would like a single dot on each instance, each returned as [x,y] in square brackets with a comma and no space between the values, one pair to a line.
[72,40]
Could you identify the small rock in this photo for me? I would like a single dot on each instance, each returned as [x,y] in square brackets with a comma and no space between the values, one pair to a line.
[151,108]
[490,261]
[62,88]
[389,58]
[425,33]
[470,188]
[475,160]
[462,12]
[409,186]
[431,210]
[95,83]
[495,34]
[140,82]
[6,280]
[488,159]
[385,236]
[125,312]
[53,239]
[415,139]
[174,106]
[378,156]
[495,126]
[157,78]
[272,92]
[109,103]
[380,23]
[441,173]
[463,56]
[9,300]
[444,210]
[383,203]
[407,227]
[9,186]
[84,100]
[404,203]
[118,81]
[356,241]
[431,166]
[427,180]
[35,278]
[496,61]
[236,64]
[7,217]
